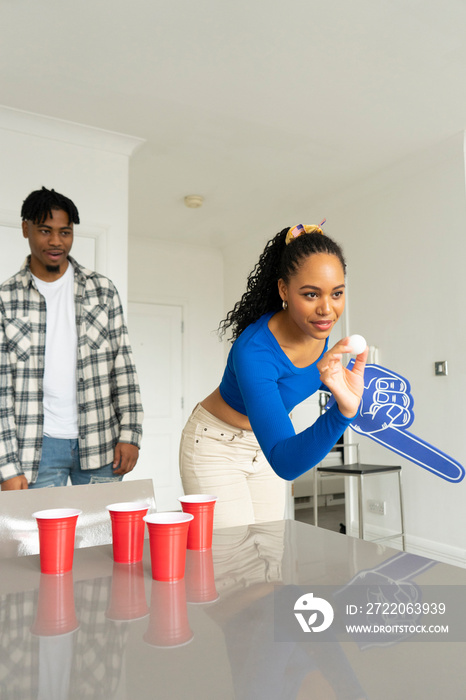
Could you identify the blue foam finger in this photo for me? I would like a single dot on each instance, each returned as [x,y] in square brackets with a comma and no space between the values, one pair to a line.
[386,411]
[418,451]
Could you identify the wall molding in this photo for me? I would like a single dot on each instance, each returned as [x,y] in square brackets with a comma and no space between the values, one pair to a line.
[415,545]
[68,132]
[100,235]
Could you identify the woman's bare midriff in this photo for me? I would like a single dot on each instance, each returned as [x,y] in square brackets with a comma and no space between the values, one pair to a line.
[221,410]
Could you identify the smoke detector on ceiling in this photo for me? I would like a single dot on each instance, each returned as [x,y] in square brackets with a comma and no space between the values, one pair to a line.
[194,201]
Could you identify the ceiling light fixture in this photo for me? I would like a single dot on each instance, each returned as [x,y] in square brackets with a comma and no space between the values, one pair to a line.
[194,201]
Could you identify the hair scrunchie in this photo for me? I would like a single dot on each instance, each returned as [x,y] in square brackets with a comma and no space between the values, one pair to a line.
[300,229]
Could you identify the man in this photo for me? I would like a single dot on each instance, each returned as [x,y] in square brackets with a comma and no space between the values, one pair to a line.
[69,395]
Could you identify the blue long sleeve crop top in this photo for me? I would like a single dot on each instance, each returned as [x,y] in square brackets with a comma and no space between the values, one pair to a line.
[262,383]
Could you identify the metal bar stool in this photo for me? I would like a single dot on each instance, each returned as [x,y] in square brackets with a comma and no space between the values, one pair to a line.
[361,471]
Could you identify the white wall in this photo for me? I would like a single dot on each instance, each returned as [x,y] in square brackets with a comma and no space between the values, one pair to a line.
[192,276]
[404,235]
[88,165]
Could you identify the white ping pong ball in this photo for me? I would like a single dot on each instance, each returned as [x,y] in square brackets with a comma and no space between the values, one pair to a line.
[358,343]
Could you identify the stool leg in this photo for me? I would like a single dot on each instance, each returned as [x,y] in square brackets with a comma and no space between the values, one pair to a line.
[401,513]
[360,507]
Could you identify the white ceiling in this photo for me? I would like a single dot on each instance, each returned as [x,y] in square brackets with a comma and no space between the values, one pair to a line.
[261,106]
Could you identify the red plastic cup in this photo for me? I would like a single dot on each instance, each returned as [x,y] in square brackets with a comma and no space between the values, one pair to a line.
[201,507]
[57,528]
[168,534]
[55,613]
[200,579]
[128,530]
[168,622]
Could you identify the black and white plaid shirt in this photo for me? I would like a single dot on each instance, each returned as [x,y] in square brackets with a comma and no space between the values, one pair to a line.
[109,402]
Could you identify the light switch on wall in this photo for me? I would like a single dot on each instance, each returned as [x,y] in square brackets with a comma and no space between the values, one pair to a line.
[441,368]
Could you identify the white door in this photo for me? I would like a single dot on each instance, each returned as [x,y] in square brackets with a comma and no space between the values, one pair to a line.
[155,333]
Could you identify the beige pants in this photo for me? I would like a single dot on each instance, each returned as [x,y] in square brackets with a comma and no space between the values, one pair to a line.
[218,459]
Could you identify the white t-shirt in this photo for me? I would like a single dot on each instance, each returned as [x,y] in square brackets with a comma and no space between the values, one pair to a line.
[60,400]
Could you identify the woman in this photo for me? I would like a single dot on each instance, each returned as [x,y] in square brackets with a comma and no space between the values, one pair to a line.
[239,443]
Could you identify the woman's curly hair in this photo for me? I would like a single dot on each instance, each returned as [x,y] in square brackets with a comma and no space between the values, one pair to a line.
[277,261]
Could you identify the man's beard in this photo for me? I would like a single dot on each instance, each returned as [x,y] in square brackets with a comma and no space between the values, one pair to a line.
[52,268]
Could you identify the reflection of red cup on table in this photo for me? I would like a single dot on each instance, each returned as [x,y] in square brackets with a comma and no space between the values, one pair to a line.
[57,529]
[201,506]
[168,534]
[200,579]
[128,593]
[168,621]
[55,613]
[128,530]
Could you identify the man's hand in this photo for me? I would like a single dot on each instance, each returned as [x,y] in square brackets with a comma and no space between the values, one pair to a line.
[16,483]
[125,459]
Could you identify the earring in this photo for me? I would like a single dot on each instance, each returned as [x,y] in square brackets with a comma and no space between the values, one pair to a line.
[285,305]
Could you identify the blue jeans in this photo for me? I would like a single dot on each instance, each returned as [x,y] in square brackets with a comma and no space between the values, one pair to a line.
[60,460]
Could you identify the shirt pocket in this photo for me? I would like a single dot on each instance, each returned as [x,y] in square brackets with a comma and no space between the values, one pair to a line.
[18,336]
[96,319]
